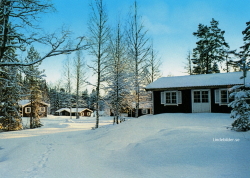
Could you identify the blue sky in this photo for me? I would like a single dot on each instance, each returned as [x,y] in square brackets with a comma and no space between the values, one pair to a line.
[170,24]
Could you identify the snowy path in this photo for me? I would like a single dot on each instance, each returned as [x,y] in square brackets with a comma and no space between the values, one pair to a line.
[166,145]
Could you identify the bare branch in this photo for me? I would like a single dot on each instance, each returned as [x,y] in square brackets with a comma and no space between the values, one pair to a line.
[56,50]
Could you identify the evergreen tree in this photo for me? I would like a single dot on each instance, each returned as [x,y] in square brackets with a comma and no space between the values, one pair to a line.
[54,100]
[240,105]
[240,108]
[215,68]
[246,38]
[10,94]
[85,98]
[11,88]
[35,81]
[92,100]
[241,94]
[211,48]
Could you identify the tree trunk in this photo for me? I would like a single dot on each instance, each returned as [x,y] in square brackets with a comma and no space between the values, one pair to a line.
[98,96]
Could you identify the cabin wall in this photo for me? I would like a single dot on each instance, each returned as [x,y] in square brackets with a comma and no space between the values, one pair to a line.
[185,107]
[217,108]
[66,113]
[41,114]
[86,113]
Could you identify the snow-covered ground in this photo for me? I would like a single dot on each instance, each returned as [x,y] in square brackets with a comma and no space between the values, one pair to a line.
[153,146]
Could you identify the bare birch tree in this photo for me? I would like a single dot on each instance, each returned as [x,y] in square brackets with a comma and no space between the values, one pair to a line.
[188,64]
[67,75]
[79,77]
[118,73]
[98,39]
[152,71]
[138,51]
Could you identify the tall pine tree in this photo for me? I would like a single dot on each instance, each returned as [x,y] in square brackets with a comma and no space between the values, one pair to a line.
[35,82]
[246,47]
[10,87]
[210,50]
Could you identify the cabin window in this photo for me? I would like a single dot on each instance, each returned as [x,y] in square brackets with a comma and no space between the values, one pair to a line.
[144,111]
[42,109]
[28,110]
[221,96]
[224,96]
[171,97]
[197,96]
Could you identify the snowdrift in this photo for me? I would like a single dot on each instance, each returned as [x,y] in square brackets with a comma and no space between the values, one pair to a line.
[164,145]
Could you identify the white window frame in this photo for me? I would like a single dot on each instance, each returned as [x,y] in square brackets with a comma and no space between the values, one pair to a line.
[178,98]
[42,109]
[217,95]
[26,108]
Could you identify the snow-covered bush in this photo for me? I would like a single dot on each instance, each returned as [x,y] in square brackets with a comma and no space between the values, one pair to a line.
[241,108]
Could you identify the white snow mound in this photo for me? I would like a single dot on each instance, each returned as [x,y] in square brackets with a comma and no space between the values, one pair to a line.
[164,145]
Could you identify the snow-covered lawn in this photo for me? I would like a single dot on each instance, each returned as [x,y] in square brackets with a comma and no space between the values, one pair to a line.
[153,146]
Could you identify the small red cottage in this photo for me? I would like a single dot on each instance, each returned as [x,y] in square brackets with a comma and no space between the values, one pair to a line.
[26,108]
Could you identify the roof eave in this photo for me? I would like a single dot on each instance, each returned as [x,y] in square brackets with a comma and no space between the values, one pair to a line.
[190,87]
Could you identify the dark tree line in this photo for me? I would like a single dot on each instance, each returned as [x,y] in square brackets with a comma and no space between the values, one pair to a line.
[59,98]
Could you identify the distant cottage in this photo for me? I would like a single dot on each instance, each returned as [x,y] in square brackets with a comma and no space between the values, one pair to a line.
[26,108]
[145,107]
[194,93]
[81,111]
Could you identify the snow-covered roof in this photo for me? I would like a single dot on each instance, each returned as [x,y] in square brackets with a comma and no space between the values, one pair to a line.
[73,110]
[218,79]
[27,102]
[24,102]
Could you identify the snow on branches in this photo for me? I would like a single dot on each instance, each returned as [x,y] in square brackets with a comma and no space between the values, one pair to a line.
[241,109]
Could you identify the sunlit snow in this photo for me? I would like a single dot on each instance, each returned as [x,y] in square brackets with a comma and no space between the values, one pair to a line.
[158,146]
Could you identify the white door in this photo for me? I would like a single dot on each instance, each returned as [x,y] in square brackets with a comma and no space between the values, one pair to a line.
[201,101]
